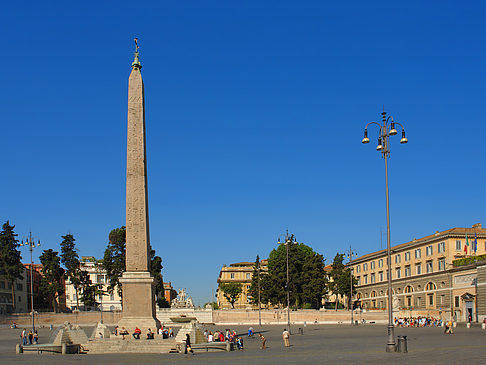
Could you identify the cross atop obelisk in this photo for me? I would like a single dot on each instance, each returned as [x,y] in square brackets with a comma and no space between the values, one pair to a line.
[137,283]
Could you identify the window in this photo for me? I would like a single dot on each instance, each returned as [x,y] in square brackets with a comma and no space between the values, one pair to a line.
[456,302]
[458,245]
[408,289]
[418,253]
[248,287]
[441,247]
[407,256]
[441,299]
[418,269]
[431,299]
[381,275]
[430,267]
[232,275]
[365,279]
[429,250]
[19,287]
[359,280]
[418,302]
[100,279]
[441,264]
[397,272]
[358,268]
[248,275]
[365,267]
[372,265]
[67,296]
[397,259]
[20,298]
[408,271]
[380,263]
[2,284]
[409,301]
[372,277]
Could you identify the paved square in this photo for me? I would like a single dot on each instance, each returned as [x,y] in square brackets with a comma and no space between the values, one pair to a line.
[320,344]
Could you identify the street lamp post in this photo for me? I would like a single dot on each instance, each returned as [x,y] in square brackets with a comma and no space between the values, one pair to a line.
[288,241]
[387,129]
[30,241]
[350,256]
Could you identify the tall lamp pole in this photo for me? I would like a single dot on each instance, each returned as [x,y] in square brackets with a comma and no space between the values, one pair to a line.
[30,241]
[288,241]
[350,256]
[387,129]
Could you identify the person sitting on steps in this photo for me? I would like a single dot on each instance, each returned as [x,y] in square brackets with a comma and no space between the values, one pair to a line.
[137,333]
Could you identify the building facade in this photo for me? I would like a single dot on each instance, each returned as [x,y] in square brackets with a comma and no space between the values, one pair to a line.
[241,273]
[97,275]
[20,291]
[428,277]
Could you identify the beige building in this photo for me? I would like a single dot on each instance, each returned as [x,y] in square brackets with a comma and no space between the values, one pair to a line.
[242,273]
[428,277]
[97,275]
[21,294]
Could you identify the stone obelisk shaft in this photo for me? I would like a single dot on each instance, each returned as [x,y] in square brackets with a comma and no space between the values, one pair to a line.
[137,283]
[137,254]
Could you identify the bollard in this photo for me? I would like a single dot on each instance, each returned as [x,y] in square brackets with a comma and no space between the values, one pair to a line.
[468,325]
[404,344]
[19,349]
[398,347]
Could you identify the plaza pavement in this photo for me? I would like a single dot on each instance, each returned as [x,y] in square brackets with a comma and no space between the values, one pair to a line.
[320,344]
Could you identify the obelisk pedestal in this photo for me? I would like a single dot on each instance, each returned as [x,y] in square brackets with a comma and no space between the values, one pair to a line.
[137,283]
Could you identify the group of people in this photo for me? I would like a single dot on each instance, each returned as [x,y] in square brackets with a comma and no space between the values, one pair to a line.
[226,335]
[419,321]
[137,333]
[31,337]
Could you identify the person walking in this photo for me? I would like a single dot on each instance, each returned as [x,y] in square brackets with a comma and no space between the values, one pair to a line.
[31,337]
[188,344]
[23,336]
[286,336]
[264,341]
[36,337]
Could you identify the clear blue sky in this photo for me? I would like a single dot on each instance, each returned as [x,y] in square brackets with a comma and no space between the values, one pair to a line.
[255,112]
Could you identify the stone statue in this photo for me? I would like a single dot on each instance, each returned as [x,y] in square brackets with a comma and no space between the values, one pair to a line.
[396,302]
[182,295]
[189,303]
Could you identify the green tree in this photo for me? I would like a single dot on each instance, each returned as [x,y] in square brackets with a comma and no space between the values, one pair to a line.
[163,303]
[70,260]
[341,278]
[156,272]
[52,285]
[307,279]
[231,291]
[10,259]
[256,282]
[114,258]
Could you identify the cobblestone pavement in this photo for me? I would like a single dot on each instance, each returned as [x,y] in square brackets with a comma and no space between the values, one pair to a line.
[320,344]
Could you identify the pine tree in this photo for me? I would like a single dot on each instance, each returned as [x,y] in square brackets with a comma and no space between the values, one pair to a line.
[256,283]
[51,283]
[70,259]
[114,258]
[10,259]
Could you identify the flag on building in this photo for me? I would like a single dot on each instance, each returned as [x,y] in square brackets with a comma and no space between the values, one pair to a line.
[475,242]
[466,245]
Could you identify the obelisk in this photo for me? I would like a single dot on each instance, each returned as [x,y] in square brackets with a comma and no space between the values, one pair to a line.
[137,283]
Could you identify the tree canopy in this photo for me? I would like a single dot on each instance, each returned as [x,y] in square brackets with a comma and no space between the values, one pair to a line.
[114,258]
[341,277]
[70,260]
[231,291]
[307,279]
[52,285]
[10,259]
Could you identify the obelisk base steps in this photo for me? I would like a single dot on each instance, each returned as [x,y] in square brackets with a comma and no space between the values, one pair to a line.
[137,310]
